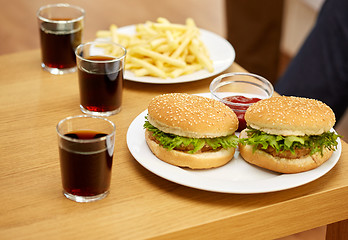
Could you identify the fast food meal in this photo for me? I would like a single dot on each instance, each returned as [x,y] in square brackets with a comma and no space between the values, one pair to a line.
[191,131]
[288,134]
[162,49]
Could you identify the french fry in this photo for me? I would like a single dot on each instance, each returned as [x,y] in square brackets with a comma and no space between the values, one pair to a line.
[141,72]
[149,67]
[158,56]
[114,36]
[202,58]
[103,34]
[162,20]
[187,39]
[162,49]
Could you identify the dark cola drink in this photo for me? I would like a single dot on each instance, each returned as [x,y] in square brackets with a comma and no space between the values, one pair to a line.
[60,27]
[58,45]
[100,86]
[85,166]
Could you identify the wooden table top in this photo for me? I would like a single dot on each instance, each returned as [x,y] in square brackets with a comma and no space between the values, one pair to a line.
[140,205]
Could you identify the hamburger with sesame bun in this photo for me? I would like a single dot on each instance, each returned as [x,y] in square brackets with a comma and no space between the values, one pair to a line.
[288,134]
[191,131]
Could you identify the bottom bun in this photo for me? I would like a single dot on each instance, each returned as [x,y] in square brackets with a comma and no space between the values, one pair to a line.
[195,161]
[283,165]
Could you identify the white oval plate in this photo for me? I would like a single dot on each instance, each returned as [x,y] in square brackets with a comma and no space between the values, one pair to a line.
[237,176]
[221,52]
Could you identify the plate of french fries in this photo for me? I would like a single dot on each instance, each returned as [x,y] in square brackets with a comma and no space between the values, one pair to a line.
[163,52]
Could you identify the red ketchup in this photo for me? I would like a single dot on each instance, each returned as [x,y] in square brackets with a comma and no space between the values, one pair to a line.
[239,104]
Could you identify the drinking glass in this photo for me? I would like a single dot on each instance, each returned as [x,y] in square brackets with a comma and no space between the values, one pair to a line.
[100,73]
[61,28]
[86,148]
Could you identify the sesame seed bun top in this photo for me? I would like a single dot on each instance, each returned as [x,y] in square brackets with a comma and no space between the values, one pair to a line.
[191,116]
[290,116]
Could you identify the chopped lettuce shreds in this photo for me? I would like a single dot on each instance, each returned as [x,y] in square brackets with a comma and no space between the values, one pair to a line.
[288,141]
[198,145]
[213,144]
[316,143]
[326,140]
[171,141]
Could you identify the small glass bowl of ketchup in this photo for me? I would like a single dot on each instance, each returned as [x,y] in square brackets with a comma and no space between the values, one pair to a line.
[239,90]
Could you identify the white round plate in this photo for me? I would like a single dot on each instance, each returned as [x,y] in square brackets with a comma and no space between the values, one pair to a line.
[237,176]
[221,52]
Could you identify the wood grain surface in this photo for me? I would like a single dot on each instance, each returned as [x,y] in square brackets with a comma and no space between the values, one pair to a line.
[141,205]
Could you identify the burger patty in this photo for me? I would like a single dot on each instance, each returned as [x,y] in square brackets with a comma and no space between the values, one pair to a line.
[299,152]
[206,147]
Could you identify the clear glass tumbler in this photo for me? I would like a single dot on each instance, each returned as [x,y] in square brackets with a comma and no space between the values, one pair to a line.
[61,27]
[100,73]
[86,148]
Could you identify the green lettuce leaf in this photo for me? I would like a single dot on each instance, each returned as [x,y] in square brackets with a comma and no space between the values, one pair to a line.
[280,143]
[171,141]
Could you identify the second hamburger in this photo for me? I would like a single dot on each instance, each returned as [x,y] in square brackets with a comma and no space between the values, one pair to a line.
[288,134]
[191,131]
